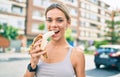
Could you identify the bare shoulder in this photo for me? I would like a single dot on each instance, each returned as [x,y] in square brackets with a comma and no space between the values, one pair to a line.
[77,52]
[78,61]
[77,56]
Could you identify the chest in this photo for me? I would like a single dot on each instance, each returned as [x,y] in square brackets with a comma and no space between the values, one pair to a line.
[61,69]
[56,55]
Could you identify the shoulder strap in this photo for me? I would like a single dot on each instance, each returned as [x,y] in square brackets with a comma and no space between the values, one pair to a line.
[69,52]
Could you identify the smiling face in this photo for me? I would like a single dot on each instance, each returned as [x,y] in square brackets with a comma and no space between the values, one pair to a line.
[57,22]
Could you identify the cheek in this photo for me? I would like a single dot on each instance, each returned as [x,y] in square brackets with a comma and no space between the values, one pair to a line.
[48,26]
[63,26]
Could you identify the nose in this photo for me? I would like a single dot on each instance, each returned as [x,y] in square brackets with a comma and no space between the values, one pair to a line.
[53,24]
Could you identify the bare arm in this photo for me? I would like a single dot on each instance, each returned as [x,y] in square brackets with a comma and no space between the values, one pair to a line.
[35,54]
[33,65]
[79,63]
[29,74]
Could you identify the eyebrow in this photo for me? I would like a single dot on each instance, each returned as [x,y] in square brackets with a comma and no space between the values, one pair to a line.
[56,18]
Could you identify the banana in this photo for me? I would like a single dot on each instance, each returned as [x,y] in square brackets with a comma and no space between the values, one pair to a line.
[45,37]
[44,40]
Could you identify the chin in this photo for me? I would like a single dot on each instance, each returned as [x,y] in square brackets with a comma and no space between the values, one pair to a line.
[56,38]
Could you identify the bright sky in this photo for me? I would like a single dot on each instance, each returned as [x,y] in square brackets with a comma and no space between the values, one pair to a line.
[115,4]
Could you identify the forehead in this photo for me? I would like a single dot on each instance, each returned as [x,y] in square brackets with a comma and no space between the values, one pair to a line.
[53,13]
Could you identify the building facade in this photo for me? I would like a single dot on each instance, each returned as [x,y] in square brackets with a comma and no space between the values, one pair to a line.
[113,27]
[35,15]
[93,14]
[13,12]
[88,17]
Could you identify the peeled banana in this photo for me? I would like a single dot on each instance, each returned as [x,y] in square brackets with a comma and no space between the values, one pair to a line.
[44,38]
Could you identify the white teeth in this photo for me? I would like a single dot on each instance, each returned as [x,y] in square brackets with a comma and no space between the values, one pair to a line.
[55,30]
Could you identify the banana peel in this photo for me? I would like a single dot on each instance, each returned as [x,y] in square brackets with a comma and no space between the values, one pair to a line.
[44,42]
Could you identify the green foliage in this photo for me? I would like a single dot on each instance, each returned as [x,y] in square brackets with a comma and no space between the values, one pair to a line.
[41,26]
[68,35]
[88,52]
[9,32]
[98,43]
[112,33]
[0,26]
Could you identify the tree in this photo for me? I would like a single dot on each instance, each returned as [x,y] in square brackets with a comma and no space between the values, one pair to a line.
[97,44]
[9,32]
[112,30]
[41,26]
[69,37]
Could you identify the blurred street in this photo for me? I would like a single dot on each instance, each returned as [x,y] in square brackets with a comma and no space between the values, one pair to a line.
[14,65]
[91,71]
[93,23]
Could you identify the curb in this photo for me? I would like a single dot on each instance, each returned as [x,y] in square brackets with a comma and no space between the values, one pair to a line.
[13,56]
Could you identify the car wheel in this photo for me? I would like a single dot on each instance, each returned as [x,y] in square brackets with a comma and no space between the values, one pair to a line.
[97,65]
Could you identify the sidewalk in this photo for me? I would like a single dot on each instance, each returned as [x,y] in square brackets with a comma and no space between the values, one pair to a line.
[13,56]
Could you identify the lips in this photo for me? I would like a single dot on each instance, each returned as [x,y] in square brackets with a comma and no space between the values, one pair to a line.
[57,32]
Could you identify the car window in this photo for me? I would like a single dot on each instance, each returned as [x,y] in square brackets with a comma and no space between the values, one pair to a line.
[107,49]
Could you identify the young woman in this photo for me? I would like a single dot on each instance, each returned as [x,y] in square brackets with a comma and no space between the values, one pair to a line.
[62,59]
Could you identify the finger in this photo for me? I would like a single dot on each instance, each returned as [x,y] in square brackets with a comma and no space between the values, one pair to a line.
[36,44]
[38,54]
[35,50]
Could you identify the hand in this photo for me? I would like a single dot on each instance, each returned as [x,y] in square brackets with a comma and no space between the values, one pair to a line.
[35,53]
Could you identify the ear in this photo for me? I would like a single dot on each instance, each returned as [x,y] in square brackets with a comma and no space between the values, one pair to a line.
[68,24]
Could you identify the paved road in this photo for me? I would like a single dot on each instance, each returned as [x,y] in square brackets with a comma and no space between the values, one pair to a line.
[13,68]
[16,68]
[91,71]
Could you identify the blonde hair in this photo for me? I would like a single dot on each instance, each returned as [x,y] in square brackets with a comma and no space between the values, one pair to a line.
[61,7]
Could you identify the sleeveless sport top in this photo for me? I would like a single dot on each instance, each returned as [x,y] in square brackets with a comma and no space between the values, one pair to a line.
[59,69]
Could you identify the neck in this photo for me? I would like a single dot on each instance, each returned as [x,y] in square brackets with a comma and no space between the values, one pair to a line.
[59,43]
